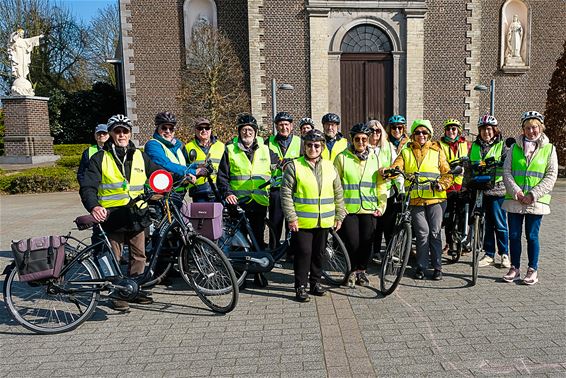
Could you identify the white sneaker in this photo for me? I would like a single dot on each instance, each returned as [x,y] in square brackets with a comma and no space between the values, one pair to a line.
[485,261]
[512,275]
[505,262]
[531,277]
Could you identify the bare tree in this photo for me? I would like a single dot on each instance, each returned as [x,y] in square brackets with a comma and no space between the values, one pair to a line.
[103,40]
[213,82]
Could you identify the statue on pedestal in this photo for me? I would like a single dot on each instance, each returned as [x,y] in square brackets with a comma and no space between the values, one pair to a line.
[19,50]
[514,42]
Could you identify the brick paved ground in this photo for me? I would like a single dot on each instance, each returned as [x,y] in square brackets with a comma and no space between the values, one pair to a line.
[436,328]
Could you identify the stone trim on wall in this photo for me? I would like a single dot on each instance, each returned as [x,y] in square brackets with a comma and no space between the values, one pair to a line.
[471,113]
[415,63]
[127,42]
[257,60]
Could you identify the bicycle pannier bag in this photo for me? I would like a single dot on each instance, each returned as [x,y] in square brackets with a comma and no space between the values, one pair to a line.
[206,218]
[40,257]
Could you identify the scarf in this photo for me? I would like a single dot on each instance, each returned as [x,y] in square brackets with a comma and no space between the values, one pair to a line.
[529,147]
[360,155]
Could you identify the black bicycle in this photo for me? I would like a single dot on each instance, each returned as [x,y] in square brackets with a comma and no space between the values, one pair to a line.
[61,304]
[398,249]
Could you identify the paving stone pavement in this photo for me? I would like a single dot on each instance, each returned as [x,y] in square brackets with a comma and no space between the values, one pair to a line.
[444,328]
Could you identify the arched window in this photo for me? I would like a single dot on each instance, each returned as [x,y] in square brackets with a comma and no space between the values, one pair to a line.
[365,39]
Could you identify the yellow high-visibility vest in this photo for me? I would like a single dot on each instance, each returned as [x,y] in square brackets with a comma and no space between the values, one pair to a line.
[360,188]
[214,154]
[339,146]
[114,190]
[428,169]
[450,156]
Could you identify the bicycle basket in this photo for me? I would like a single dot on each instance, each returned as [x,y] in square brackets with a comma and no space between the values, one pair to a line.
[206,218]
[481,182]
[39,258]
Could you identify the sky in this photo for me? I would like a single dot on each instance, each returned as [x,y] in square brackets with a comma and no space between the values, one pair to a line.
[85,10]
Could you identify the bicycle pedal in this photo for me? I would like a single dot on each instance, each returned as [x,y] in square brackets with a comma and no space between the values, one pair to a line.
[278,265]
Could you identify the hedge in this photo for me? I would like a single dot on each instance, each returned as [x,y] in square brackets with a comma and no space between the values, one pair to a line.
[37,180]
[70,149]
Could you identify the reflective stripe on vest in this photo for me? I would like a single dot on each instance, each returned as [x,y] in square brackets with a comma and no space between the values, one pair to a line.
[384,160]
[92,150]
[214,154]
[450,157]
[293,151]
[429,169]
[527,177]
[246,176]
[360,188]
[495,151]
[114,190]
[314,209]
[337,149]
[178,159]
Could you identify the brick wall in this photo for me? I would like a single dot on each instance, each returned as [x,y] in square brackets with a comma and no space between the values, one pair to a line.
[286,54]
[515,94]
[445,61]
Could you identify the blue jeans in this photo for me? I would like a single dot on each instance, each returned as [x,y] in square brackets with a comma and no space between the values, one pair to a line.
[532,227]
[495,226]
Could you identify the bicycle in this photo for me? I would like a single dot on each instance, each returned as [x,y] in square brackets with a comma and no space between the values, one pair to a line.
[483,178]
[397,251]
[62,304]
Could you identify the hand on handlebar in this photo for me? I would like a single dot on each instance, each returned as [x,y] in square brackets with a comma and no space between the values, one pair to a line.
[99,213]
[337,225]
[190,178]
[232,199]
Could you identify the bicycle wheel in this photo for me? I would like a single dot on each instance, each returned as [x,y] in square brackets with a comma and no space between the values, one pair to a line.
[477,245]
[395,259]
[205,268]
[227,246]
[167,246]
[45,308]
[336,263]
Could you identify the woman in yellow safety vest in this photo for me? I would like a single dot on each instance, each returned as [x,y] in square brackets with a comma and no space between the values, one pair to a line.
[365,199]
[428,201]
[529,174]
[455,146]
[489,144]
[311,198]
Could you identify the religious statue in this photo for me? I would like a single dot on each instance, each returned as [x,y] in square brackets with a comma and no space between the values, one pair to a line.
[514,43]
[19,50]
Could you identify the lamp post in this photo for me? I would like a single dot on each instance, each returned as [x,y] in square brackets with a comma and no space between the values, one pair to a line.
[491,89]
[274,88]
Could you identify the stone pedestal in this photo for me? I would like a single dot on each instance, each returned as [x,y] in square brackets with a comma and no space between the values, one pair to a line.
[27,139]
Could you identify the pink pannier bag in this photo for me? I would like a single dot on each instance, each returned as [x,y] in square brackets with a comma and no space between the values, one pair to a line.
[40,257]
[206,218]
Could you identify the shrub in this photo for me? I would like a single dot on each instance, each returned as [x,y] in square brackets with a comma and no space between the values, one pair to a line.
[37,180]
[70,149]
[72,161]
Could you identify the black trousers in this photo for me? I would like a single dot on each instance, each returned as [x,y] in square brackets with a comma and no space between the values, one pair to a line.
[276,216]
[357,234]
[256,214]
[386,223]
[310,245]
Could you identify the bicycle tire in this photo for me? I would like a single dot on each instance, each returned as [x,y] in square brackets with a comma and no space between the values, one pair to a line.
[395,260]
[207,270]
[477,241]
[167,246]
[30,304]
[336,262]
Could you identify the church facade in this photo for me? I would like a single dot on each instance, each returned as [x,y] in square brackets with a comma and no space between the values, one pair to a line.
[360,59]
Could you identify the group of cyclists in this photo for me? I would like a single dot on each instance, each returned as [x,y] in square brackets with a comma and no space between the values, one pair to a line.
[327,181]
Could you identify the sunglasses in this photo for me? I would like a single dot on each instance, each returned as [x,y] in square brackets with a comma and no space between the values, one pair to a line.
[170,128]
[420,132]
[200,128]
[121,130]
[397,127]
[454,128]
[313,145]
[376,131]
[360,139]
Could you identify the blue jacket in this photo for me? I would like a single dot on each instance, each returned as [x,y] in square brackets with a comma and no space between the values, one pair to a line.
[156,153]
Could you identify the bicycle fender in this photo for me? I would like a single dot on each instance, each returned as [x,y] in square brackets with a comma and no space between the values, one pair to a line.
[8,268]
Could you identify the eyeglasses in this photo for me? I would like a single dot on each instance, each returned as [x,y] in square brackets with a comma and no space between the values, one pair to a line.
[121,130]
[454,128]
[376,131]
[168,128]
[200,128]
[313,145]
[397,127]
[419,132]
[361,139]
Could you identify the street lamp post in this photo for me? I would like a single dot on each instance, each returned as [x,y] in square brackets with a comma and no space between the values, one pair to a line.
[491,89]
[274,88]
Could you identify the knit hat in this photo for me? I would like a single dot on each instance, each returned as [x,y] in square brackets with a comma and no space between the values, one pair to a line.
[424,123]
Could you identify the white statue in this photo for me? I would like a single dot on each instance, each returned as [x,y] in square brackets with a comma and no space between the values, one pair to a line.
[19,50]
[514,42]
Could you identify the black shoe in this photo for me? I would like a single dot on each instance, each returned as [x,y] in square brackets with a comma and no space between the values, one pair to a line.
[317,290]
[120,305]
[419,274]
[260,280]
[301,294]
[144,297]
[362,279]
[437,275]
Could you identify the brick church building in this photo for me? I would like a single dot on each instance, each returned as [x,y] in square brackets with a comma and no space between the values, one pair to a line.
[360,59]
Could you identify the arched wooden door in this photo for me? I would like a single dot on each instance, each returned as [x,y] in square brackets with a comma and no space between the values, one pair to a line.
[366,76]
